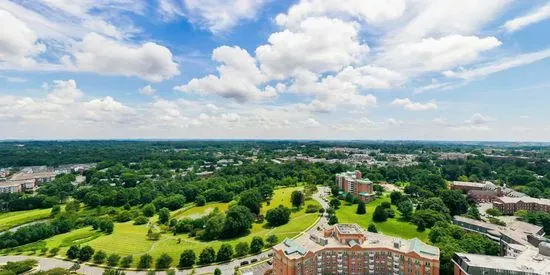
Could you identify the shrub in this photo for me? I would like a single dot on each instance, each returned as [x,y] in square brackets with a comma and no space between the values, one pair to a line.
[141,220]
[225,253]
[361,209]
[164,261]
[312,208]
[372,228]
[256,245]
[85,253]
[208,255]
[99,257]
[127,261]
[272,240]
[145,261]
[242,249]
[113,260]
[72,253]
[187,258]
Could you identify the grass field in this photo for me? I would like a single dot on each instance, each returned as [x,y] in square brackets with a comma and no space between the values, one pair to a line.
[393,227]
[199,211]
[129,239]
[13,219]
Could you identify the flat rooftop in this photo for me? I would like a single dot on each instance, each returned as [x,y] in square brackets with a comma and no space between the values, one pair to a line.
[345,228]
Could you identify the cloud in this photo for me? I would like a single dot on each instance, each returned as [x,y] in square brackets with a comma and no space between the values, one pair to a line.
[369,11]
[18,43]
[317,44]
[478,119]
[147,90]
[431,54]
[409,105]
[499,65]
[215,15]
[64,92]
[99,54]
[427,18]
[539,14]
[238,77]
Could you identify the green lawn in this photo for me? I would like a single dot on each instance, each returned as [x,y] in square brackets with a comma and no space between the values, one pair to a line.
[129,239]
[392,227]
[199,211]
[13,219]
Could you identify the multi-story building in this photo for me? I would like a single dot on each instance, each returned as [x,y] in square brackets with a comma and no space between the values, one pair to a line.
[533,261]
[348,249]
[523,249]
[38,177]
[509,205]
[354,183]
[17,186]
[479,192]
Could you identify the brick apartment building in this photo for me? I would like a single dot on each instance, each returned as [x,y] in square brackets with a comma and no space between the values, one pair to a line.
[508,205]
[354,183]
[347,249]
[479,192]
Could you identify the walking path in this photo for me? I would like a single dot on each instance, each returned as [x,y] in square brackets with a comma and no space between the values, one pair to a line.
[226,268]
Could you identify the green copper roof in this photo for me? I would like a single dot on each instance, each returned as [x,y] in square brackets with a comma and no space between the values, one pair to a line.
[293,247]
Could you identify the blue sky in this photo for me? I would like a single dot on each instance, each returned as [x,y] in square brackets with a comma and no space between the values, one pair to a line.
[315,69]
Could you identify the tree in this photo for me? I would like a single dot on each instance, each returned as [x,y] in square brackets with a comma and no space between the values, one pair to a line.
[148,210]
[200,200]
[106,226]
[436,204]
[225,253]
[163,261]
[335,203]
[113,259]
[242,249]
[256,245]
[396,197]
[111,271]
[217,271]
[187,258]
[455,201]
[473,213]
[85,253]
[332,220]
[164,215]
[72,253]
[406,208]
[207,256]
[334,190]
[361,209]
[380,214]
[252,199]
[145,261]
[372,228]
[278,216]
[297,198]
[127,261]
[99,257]
[238,220]
[141,220]
[493,212]
[72,206]
[272,240]
[349,198]
[213,228]
[56,209]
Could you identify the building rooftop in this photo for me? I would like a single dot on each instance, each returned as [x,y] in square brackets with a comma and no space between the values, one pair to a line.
[32,175]
[529,261]
[524,200]
[348,228]
[469,184]
[299,247]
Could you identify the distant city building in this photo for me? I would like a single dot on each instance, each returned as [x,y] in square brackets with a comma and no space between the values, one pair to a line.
[347,249]
[523,249]
[353,182]
[38,177]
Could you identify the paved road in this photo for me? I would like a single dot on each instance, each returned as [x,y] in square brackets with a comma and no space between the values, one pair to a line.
[227,268]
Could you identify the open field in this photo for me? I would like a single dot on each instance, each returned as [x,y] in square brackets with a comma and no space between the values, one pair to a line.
[392,227]
[13,219]
[129,239]
[199,211]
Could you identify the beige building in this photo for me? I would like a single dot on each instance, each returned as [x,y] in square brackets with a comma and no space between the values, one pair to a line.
[348,249]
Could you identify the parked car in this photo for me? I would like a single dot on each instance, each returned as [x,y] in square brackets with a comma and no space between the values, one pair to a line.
[270,254]
[244,263]
[270,262]
[253,261]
